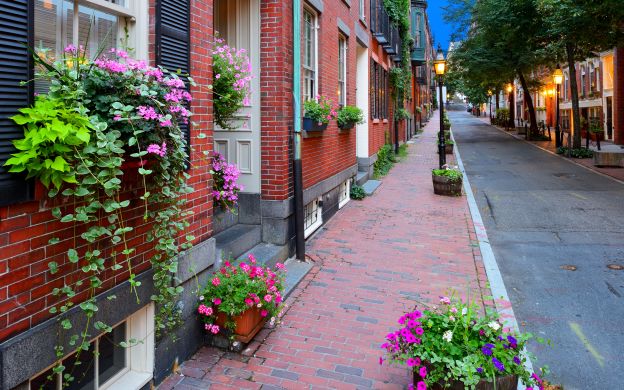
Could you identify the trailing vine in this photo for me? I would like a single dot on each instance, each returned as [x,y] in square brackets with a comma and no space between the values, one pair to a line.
[399,13]
[102,126]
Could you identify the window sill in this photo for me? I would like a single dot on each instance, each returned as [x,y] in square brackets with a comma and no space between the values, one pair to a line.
[130,380]
[363,21]
[375,121]
[385,121]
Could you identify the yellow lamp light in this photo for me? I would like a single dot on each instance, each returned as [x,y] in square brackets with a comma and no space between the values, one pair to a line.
[509,88]
[440,63]
[558,75]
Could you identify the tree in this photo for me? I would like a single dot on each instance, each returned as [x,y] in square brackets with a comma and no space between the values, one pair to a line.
[577,29]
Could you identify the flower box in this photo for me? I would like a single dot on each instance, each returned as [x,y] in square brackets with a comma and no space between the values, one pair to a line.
[443,185]
[448,149]
[509,382]
[248,324]
[310,125]
[347,126]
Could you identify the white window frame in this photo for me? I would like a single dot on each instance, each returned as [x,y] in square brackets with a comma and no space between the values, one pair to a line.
[313,209]
[345,194]
[134,17]
[342,69]
[310,71]
[139,357]
[363,10]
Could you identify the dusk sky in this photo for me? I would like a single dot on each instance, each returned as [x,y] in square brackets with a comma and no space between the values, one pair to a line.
[440,30]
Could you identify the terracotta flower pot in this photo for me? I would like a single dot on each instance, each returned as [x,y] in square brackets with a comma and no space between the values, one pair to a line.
[442,185]
[247,324]
[509,382]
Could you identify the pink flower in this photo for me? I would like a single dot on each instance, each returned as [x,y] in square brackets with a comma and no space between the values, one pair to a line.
[215,329]
[421,386]
[252,258]
[413,362]
[249,302]
[264,313]
[423,371]
[445,300]
[70,49]
[216,281]
[217,76]
[380,360]
[216,301]
[268,298]
[117,118]
[279,266]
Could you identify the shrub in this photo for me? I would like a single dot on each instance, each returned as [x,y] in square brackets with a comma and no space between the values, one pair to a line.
[385,161]
[452,174]
[350,115]
[576,153]
[402,114]
[357,192]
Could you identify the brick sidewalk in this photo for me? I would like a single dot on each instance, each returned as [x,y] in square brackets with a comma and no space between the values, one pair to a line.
[616,173]
[375,260]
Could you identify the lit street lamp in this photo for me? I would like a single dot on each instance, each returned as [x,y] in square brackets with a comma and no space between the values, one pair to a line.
[511,104]
[558,78]
[440,67]
[490,103]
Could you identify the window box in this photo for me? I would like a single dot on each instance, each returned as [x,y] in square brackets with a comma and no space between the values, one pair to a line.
[311,125]
[248,324]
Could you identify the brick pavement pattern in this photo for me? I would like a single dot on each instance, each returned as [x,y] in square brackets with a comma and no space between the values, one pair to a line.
[376,259]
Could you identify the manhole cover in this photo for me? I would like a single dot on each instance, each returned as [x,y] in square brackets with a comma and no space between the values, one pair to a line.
[616,267]
[568,267]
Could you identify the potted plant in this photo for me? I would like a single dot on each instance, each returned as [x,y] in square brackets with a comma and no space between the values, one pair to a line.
[225,186]
[401,114]
[448,143]
[452,346]
[596,131]
[318,113]
[239,300]
[447,181]
[349,116]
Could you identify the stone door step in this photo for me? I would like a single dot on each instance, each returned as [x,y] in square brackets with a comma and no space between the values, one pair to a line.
[236,240]
[266,255]
[371,186]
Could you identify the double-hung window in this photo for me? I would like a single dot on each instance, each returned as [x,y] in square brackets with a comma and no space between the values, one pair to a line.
[363,10]
[310,54]
[342,71]
[96,25]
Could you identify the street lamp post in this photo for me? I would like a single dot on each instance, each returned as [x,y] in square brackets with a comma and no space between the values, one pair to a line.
[490,103]
[440,68]
[558,79]
[511,106]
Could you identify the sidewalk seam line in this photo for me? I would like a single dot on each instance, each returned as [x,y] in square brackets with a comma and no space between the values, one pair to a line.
[497,285]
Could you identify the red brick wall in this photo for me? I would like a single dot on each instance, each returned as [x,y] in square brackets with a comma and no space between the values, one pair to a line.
[25,228]
[618,95]
[276,98]
[334,151]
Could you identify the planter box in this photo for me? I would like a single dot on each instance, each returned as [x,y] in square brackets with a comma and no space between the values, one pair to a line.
[248,324]
[443,186]
[311,125]
[502,383]
[347,126]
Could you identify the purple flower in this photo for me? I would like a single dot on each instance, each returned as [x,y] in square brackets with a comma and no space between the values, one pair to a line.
[413,362]
[480,370]
[517,360]
[423,372]
[487,349]
[498,364]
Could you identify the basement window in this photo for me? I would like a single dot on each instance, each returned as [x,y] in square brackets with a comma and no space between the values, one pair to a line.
[344,195]
[313,213]
[106,365]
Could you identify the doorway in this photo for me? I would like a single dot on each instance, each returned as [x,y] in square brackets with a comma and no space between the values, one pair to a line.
[238,23]
[610,118]
[361,101]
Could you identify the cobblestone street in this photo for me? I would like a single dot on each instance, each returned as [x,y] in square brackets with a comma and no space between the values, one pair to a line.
[375,260]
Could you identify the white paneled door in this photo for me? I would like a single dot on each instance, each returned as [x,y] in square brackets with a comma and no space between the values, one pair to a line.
[238,22]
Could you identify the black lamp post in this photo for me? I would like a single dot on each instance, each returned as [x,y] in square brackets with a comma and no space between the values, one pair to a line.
[440,67]
[490,103]
[558,79]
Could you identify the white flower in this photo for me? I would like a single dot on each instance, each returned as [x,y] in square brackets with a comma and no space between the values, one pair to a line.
[201,297]
[448,335]
[464,311]
[494,325]
[259,305]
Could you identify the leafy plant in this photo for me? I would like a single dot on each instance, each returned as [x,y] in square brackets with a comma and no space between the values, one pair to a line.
[576,153]
[357,192]
[236,289]
[53,133]
[385,161]
[454,342]
[402,114]
[231,83]
[321,110]
[454,175]
[595,126]
[350,115]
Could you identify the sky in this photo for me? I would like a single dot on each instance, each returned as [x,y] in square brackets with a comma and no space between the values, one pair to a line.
[441,31]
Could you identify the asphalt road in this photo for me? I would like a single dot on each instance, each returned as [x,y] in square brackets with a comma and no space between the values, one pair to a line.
[554,228]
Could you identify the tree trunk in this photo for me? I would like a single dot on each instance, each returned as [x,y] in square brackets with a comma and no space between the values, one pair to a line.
[576,111]
[529,102]
[497,104]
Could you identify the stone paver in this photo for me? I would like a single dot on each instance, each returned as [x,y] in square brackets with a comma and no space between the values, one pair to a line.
[376,259]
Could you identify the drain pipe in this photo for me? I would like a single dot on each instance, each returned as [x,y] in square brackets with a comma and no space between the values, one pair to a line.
[297,170]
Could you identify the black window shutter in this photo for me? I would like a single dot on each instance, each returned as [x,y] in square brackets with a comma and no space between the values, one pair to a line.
[173,41]
[16,65]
